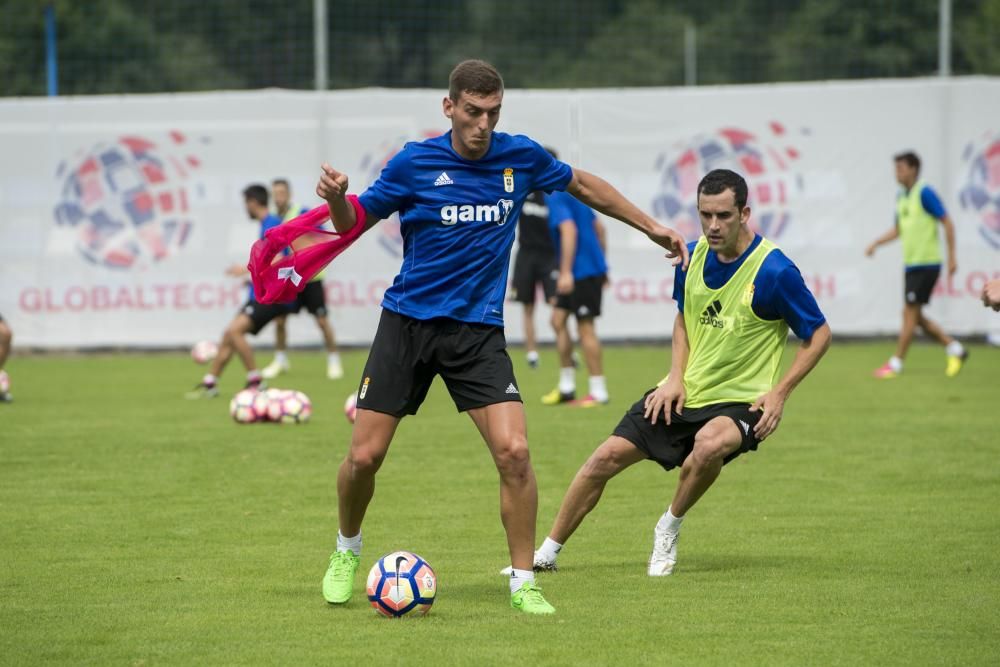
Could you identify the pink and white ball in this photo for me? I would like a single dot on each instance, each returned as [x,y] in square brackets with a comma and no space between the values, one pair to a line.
[296,408]
[241,407]
[204,351]
[351,407]
[4,382]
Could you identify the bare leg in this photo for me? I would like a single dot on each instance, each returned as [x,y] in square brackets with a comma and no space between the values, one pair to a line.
[564,343]
[529,328]
[370,441]
[591,345]
[6,336]
[233,339]
[911,313]
[716,440]
[281,333]
[613,456]
[327,330]
[930,326]
[503,427]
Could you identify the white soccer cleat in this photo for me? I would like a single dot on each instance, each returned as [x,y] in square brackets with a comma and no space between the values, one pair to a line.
[334,371]
[540,564]
[664,556]
[275,368]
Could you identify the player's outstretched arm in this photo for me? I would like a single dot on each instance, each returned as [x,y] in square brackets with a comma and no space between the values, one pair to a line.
[890,235]
[949,238]
[670,392]
[332,187]
[600,195]
[773,402]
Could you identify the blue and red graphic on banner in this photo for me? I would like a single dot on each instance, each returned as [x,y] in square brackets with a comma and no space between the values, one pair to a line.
[129,200]
[980,192]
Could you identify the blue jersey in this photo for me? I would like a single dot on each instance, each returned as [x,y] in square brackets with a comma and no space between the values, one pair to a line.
[457,219]
[589,260]
[779,291]
[269,221]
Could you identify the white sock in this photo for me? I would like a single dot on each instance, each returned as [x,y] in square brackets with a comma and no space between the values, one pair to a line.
[549,549]
[955,349]
[598,389]
[519,577]
[209,380]
[281,357]
[669,523]
[532,355]
[333,358]
[896,364]
[349,543]
[567,380]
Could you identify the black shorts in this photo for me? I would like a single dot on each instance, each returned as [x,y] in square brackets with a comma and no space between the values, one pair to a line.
[407,353]
[262,313]
[585,301]
[530,269]
[919,283]
[670,445]
[312,298]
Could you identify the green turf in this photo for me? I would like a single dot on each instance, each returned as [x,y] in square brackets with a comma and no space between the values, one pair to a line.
[138,528]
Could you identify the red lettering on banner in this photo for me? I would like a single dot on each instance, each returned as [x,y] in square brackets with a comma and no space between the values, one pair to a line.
[30,301]
[161,295]
[200,300]
[100,298]
[49,306]
[639,290]
[353,294]
[181,297]
[823,287]
[123,300]
[76,299]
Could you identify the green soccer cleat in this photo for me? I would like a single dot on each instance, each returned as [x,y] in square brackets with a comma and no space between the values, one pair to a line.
[338,582]
[202,391]
[528,598]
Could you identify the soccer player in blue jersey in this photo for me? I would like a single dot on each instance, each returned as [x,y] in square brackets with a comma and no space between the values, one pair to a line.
[919,211]
[253,316]
[578,235]
[458,198]
[722,396]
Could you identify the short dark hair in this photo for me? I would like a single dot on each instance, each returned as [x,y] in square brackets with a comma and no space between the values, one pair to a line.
[257,193]
[910,158]
[280,181]
[474,76]
[718,181]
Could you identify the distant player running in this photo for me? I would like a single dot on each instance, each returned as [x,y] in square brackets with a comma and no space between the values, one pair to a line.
[918,212]
[534,266]
[253,317]
[459,197]
[722,397]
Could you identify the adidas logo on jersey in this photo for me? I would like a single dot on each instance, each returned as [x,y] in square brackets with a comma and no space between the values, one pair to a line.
[497,213]
[444,179]
[712,315]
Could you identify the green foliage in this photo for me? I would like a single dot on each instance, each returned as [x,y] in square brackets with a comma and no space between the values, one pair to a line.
[140,528]
[118,46]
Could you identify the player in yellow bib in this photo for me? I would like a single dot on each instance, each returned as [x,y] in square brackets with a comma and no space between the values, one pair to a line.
[918,213]
[723,396]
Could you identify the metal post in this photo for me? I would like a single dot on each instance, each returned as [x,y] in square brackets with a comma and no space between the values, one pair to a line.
[690,55]
[944,38]
[319,37]
[51,62]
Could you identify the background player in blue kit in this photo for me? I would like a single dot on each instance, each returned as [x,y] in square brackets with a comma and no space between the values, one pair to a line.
[458,198]
[578,236]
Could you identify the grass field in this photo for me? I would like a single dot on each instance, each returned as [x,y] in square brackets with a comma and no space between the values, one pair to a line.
[141,529]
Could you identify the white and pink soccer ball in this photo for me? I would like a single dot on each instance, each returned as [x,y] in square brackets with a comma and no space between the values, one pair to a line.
[204,351]
[4,382]
[241,407]
[351,407]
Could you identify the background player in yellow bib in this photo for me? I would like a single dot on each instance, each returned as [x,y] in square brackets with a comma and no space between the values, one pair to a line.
[737,299]
[918,212]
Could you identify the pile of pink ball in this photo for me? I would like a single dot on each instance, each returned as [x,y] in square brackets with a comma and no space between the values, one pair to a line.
[279,406]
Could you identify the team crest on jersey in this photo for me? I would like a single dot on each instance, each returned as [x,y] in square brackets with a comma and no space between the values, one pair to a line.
[508,180]
[747,299]
[498,213]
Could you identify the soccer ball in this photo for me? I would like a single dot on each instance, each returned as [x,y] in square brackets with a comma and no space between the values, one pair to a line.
[275,399]
[4,382]
[261,406]
[351,407]
[241,407]
[400,583]
[204,351]
[296,408]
